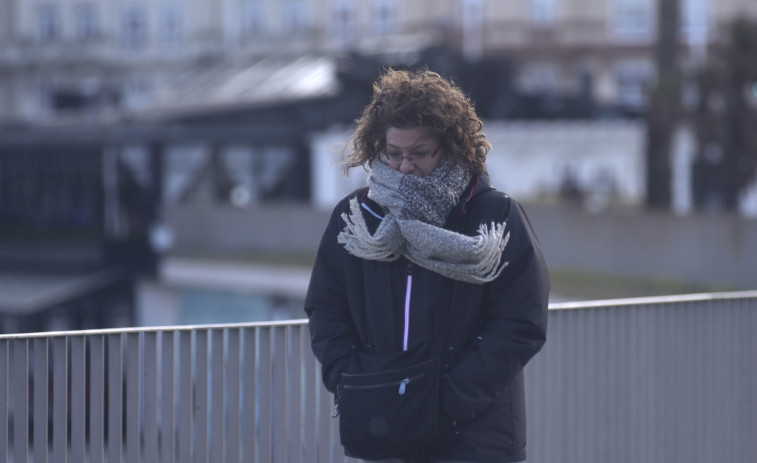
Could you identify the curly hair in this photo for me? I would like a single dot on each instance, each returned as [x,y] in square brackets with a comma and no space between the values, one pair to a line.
[420,99]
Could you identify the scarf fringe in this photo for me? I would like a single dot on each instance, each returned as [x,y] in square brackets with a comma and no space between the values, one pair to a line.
[480,262]
[358,241]
[484,262]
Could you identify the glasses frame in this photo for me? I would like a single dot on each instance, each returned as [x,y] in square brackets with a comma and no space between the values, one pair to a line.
[413,159]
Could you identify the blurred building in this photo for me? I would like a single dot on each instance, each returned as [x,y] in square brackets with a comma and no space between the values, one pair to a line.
[149,150]
[99,58]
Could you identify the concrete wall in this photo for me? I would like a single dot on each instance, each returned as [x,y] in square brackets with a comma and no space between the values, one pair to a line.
[712,249]
[286,228]
[703,248]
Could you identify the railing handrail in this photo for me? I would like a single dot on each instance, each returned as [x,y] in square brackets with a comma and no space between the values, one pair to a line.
[153,329]
[655,300]
[573,305]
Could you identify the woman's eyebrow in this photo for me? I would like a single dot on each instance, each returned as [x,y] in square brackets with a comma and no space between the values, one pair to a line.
[419,144]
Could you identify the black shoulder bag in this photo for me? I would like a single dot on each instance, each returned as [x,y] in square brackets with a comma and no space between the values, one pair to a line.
[388,404]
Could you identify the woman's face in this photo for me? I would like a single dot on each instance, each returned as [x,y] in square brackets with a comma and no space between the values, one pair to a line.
[412,151]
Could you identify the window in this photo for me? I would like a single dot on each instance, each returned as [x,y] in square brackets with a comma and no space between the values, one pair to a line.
[134,27]
[45,90]
[48,23]
[293,17]
[253,19]
[542,12]
[694,21]
[540,78]
[633,19]
[170,25]
[384,16]
[137,91]
[472,15]
[632,80]
[344,20]
[86,22]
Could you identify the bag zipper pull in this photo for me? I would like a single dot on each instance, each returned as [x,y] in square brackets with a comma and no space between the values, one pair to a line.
[403,384]
[335,412]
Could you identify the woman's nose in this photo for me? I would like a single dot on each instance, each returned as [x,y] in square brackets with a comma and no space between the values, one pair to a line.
[406,166]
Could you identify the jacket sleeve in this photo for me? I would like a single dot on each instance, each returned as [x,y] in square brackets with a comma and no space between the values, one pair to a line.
[332,333]
[515,310]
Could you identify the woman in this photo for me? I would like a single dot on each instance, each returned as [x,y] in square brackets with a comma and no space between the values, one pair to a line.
[429,244]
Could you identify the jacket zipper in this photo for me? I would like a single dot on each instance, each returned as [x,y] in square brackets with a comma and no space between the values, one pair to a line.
[401,385]
[408,291]
[405,338]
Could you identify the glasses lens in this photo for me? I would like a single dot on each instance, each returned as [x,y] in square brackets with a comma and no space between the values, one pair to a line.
[395,159]
[391,158]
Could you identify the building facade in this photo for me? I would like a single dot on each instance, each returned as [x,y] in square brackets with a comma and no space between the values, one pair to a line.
[266,75]
[101,57]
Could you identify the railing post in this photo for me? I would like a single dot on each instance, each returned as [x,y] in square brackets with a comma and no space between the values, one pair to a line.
[185,404]
[295,423]
[133,397]
[167,409]
[4,396]
[279,393]
[115,395]
[249,394]
[20,378]
[41,366]
[264,378]
[60,398]
[78,408]
[151,394]
[310,396]
[96,398]
[234,435]
[201,408]
[218,395]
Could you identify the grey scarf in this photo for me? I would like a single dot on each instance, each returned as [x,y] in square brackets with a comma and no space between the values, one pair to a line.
[418,208]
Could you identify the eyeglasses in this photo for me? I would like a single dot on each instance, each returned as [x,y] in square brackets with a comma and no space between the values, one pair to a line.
[395,159]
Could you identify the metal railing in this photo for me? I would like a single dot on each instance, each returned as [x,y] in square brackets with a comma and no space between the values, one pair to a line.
[230,393]
[657,379]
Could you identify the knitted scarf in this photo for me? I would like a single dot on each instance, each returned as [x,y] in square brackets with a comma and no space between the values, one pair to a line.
[417,209]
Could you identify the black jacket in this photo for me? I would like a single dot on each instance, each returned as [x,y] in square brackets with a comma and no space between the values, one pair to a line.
[492,331]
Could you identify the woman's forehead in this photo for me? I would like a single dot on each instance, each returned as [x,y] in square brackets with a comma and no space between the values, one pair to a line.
[406,138]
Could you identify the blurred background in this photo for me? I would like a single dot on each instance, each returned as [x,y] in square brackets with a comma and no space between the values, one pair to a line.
[175,162]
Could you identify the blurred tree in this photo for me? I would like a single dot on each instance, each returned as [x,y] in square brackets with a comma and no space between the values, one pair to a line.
[665,106]
[726,121]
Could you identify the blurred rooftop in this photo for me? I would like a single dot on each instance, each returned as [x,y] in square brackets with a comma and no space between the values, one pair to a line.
[239,82]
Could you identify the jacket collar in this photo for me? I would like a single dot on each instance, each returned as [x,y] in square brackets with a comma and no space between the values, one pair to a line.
[479,184]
